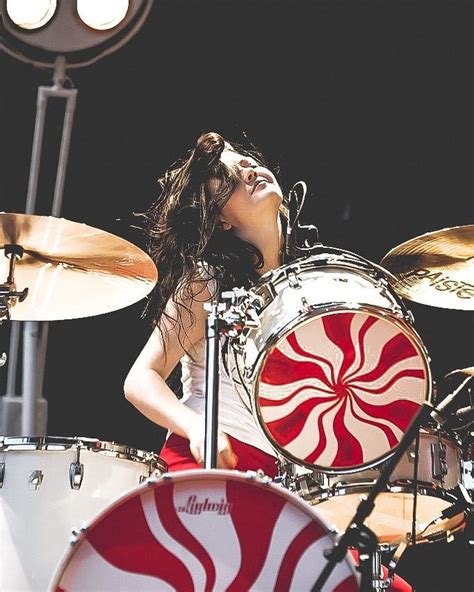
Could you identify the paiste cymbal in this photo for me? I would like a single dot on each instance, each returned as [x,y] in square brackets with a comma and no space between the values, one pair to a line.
[72,270]
[436,268]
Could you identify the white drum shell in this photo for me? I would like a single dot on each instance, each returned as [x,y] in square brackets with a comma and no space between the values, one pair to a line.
[439,473]
[39,509]
[290,301]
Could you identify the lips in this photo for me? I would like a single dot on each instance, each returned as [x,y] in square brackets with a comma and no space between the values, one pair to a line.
[258,183]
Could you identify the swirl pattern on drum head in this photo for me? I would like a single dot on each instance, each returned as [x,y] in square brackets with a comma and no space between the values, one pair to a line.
[339,391]
[210,535]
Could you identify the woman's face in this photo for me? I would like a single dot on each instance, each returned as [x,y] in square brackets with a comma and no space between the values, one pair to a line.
[256,198]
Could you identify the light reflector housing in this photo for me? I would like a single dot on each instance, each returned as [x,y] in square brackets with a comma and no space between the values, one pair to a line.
[31,14]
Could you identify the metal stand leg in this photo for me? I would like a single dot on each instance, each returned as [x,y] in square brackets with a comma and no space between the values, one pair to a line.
[35,334]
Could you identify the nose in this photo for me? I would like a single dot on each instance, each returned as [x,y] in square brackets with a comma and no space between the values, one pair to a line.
[250,175]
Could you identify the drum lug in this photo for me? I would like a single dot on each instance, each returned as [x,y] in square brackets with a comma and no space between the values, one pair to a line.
[439,466]
[76,474]
[306,306]
[467,478]
[2,474]
[35,479]
[293,279]
[248,372]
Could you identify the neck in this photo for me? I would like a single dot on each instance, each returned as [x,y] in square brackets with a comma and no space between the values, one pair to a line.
[269,241]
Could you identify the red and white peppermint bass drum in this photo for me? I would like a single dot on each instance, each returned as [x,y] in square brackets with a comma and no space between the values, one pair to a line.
[334,372]
[204,530]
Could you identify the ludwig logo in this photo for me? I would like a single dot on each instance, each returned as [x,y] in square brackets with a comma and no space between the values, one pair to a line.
[193,506]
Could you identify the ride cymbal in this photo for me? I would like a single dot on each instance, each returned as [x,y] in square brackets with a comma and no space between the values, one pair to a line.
[71,270]
[436,268]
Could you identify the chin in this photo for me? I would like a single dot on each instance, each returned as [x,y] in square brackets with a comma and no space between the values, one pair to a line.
[270,193]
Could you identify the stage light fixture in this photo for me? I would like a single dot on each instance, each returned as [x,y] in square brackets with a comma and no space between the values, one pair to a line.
[81,31]
[31,14]
[102,15]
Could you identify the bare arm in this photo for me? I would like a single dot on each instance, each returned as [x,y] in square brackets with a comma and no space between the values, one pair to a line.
[145,386]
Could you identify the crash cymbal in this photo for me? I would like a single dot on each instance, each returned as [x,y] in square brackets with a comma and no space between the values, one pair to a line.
[436,268]
[71,270]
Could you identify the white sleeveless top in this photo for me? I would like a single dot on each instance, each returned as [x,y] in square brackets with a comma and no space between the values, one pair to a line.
[234,417]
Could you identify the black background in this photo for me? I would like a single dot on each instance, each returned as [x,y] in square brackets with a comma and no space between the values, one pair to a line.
[371,103]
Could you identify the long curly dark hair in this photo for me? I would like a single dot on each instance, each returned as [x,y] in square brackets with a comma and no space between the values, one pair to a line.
[184,236]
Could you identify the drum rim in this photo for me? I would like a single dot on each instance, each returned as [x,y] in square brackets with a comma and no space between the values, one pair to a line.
[303,319]
[329,252]
[421,491]
[63,443]
[155,481]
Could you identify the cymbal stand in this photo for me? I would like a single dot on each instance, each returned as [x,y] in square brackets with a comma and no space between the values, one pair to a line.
[212,383]
[9,295]
[32,404]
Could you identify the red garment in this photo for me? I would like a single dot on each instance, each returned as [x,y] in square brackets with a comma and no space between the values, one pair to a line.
[177,455]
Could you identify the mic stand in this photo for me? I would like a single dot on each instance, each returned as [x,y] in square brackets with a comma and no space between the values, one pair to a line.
[212,383]
[229,316]
[359,535]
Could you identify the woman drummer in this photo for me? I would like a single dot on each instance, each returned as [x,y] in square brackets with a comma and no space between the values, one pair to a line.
[217,224]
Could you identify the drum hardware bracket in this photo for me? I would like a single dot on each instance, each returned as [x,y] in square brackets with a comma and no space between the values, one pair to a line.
[378,581]
[237,311]
[294,280]
[8,293]
[467,474]
[76,471]
[76,475]
[35,479]
[439,466]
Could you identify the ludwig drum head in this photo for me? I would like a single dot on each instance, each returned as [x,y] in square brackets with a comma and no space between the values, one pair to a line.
[204,530]
[337,391]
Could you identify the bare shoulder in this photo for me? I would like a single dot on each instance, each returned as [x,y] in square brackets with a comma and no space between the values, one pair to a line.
[182,325]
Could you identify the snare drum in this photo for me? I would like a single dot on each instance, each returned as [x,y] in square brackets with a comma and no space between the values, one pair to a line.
[204,530]
[48,487]
[439,473]
[334,372]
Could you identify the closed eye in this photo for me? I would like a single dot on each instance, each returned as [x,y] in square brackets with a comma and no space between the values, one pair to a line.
[248,164]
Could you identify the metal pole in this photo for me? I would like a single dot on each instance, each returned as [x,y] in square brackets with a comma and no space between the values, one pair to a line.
[35,336]
[212,387]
